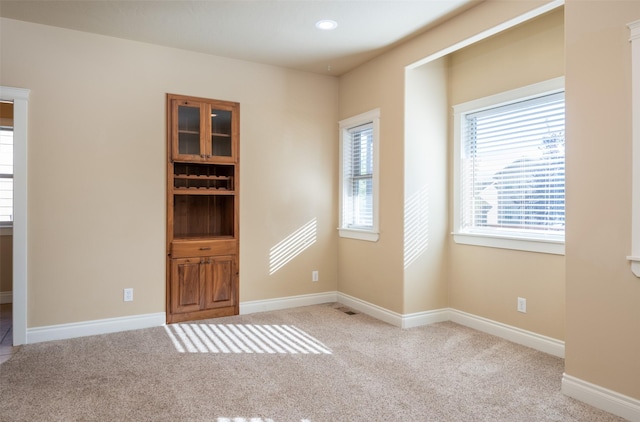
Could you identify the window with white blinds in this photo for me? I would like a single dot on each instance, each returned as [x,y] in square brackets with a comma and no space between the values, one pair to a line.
[359,162]
[511,169]
[6,176]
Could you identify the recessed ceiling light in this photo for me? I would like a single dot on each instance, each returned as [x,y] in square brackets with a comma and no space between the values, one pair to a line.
[326,24]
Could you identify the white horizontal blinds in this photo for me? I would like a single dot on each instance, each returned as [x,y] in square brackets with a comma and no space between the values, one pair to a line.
[513,167]
[358,177]
[6,175]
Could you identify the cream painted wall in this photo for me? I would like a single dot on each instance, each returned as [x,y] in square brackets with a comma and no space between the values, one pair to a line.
[97,168]
[374,272]
[426,228]
[603,296]
[487,281]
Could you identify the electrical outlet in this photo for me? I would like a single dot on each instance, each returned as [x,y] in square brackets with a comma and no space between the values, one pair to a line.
[522,305]
[314,275]
[128,295]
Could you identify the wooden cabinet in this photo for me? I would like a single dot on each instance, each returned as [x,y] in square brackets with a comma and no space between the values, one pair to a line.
[202,208]
[203,130]
[202,284]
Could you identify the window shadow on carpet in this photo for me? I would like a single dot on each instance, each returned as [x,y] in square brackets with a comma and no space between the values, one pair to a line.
[243,338]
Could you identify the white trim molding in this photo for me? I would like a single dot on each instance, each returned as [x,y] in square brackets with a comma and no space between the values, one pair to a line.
[602,398]
[276,304]
[594,395]
[634,27]
[399,320]
[517,335]
[20,98]
[514,334]
[95,327]
[134,322]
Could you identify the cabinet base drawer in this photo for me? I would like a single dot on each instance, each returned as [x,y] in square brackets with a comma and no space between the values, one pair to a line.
[185,249]
[204,314]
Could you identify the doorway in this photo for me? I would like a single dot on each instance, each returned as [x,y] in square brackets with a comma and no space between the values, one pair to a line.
[6,227]
[19,97]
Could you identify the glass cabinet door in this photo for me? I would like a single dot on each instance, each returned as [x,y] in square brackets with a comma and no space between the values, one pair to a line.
[189,129]
[221,132]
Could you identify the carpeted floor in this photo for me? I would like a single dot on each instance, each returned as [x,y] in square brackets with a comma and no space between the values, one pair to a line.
[310,364]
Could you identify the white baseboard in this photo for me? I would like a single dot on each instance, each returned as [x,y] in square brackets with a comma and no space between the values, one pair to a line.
[95,327]
[602,398]
[276,304]
[112,325]
[526,338]
[591,394]
[394,318]
[370,309]
[6,297]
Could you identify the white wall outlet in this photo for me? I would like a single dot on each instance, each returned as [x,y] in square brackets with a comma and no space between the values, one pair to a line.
[522,305]
[314,275]
[128,295]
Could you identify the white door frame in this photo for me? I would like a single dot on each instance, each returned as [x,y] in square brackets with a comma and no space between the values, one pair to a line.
[20,99]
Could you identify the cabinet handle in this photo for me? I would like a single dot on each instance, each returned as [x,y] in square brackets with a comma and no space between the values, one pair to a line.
[205,248]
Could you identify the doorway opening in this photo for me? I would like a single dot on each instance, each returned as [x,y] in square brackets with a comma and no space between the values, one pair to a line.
[6,229]
[19,98]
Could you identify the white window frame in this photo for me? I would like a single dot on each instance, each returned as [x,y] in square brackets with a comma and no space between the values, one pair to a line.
[532,243]
[370,117]
[6,227]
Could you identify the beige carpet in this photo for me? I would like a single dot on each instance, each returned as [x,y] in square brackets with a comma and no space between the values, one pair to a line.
[308,364]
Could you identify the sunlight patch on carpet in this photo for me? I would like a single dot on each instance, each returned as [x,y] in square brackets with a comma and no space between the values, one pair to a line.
[243,338]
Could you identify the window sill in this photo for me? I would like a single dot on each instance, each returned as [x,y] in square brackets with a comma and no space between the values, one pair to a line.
[548,246]
[367,235]
[6,230]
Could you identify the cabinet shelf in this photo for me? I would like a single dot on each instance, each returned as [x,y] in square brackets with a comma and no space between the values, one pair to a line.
[202,191]
[224,135]
[189,132]
[201,177]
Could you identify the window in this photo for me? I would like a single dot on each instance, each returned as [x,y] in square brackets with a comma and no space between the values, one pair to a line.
[509,172]
[359,176]
[6,176]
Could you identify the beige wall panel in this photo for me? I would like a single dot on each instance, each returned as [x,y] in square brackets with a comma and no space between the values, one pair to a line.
[374,272]
[488,281]
[97,151]
[425,187]
[523,55]
[603,296]
[6,263]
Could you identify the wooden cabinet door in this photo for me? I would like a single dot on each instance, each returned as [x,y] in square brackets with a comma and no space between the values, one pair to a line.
[189,130]
[187,288]
[219,281]
[222,132]
[204,131]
